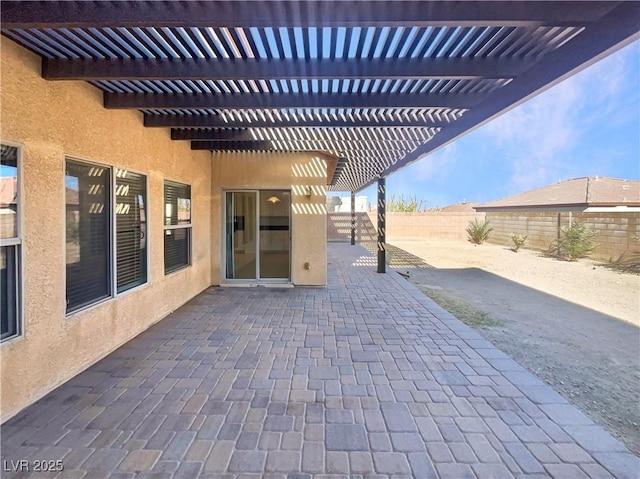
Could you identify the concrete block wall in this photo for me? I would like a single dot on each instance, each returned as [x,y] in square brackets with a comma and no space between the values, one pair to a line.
[428,225]
[339,227]
[540,227]
[617,233]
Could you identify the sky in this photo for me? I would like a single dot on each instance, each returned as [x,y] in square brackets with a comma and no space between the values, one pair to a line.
[585,126]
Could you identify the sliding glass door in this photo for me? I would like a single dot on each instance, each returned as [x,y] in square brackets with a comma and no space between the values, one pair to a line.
[257,235]
[242,240]
[274,245]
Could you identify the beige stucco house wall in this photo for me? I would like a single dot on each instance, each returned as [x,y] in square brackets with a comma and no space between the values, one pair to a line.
[305,174]
[54,120]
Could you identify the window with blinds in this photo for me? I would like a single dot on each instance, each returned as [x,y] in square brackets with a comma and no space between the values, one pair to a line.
[88,233]
[177,226]
[10,243]
[99,198]
[9,325]
[131,229]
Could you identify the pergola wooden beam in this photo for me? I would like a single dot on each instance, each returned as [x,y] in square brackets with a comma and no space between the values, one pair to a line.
[291,100]
[281,68]
[495,52]
[617,29]
[245,145]
[60,14]
[240,145]
[213,121]
[235,134]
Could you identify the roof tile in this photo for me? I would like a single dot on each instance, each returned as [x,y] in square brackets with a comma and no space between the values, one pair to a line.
[584,192]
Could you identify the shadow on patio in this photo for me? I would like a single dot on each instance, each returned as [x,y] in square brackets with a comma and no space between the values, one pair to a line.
[364,377]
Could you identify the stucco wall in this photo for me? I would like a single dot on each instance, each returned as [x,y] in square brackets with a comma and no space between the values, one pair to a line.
[294,171]
[437,225]
[427,225]
[57,119]
[617,233]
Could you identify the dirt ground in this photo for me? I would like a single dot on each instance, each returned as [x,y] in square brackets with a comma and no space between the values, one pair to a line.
[575,325]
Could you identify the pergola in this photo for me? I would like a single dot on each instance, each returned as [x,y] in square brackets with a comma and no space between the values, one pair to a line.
[375,84]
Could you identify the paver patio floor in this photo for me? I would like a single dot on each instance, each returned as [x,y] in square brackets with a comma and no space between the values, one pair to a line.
[366,378]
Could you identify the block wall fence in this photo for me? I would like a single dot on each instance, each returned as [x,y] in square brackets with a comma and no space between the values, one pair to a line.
[428,225]
[617,233]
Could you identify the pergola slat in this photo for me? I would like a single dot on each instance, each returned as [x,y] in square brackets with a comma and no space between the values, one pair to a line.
[292,100]
[260,67]
[618,28]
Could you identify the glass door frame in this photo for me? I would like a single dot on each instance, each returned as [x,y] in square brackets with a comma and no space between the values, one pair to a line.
[225,224]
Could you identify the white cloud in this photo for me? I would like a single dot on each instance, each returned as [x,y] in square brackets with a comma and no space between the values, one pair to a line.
[419,179]
[537,138]
[436,166]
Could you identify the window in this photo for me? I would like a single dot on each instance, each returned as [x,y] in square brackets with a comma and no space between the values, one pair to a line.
[10,242]
[88,233]
[93,209]
[177,226]
[131,229]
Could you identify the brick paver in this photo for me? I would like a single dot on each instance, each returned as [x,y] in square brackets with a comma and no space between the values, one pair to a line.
[364,378]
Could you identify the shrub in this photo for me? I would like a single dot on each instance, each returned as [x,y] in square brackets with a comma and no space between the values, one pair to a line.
[628,262]
[478,232]
[518,241]
[409,205]
[575,241]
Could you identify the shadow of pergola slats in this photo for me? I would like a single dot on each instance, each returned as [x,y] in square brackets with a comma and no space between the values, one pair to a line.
[398,258]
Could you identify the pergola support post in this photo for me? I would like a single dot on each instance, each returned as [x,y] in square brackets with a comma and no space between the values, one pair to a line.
[382,219]
[353,218]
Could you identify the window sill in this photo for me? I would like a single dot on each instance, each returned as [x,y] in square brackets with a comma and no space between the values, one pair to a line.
[140,287]
[177,270]
[12,340]
[88,307]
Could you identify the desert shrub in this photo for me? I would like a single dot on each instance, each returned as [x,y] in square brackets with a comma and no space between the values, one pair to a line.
[409,205]
[628,262]
[518,241]
[576,241]
[478,231]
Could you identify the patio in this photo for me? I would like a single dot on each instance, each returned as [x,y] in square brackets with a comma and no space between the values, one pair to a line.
[366,377]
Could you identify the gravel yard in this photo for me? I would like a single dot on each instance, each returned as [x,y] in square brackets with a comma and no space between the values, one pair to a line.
[575,325]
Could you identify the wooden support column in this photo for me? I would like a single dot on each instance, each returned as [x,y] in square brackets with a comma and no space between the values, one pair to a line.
[382,219]
[353,218]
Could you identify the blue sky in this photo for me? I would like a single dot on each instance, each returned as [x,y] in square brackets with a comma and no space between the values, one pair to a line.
[587,125]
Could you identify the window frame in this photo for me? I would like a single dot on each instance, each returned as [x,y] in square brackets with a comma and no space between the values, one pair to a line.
[167,227]
[18,243]
[113,263]
[110,250]
[147,263]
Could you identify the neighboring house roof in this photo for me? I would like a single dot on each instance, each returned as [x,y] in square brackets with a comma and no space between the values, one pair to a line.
[577,193]
[72,197]
[459,208]
[8,191]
